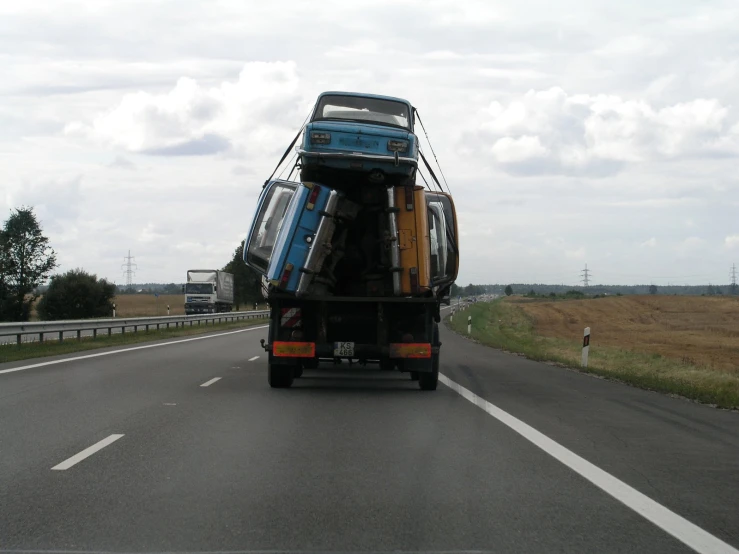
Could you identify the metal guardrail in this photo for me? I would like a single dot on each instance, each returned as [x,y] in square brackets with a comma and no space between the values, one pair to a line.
[41,328]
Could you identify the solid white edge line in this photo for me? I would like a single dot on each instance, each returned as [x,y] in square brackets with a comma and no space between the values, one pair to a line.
[209,383]
[252,359]
[86,453]
[53,362]
[683,530]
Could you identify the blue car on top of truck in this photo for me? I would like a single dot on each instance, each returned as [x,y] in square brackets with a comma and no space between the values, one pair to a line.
[351,133]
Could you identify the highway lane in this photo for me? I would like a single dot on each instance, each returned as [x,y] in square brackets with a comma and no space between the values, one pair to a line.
[347,459]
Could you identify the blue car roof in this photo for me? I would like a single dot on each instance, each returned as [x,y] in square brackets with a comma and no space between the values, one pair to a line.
[364,95]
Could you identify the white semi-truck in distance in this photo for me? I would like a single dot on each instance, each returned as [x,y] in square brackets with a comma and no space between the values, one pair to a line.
[208,291]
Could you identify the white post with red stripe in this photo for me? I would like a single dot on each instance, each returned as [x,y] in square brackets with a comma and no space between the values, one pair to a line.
[585,346]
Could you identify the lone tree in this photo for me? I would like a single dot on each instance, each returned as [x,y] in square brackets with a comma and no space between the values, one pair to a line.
[26,261]
[77,295]
[652,289]
[247,283]
[508,290]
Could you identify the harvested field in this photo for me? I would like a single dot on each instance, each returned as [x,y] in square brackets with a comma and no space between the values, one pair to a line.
[675,344]
[143,305]
[703,331]
[147,305]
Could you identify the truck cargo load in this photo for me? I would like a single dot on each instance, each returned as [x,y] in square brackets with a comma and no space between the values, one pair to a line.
[356,258]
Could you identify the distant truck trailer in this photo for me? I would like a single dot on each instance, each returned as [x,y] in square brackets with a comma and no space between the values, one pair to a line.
[208,291]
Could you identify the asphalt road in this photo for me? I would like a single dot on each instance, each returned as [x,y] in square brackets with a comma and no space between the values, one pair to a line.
[354,460]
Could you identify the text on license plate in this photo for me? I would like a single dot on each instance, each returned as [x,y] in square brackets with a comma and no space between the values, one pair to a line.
[343,349]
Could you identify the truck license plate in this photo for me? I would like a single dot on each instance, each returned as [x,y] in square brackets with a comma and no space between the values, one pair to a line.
[344,349]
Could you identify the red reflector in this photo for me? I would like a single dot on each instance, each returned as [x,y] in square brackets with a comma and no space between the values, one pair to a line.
[290,349]
[410,350]
[286,275]
[414,279]
[313,197]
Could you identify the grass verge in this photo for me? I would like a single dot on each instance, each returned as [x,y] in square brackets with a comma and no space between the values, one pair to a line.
[506,326]
[14,352]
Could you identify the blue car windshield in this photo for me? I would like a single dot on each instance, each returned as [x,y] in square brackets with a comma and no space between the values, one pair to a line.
[364,110]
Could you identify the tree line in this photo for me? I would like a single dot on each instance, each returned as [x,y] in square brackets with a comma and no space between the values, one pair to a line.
[27,262]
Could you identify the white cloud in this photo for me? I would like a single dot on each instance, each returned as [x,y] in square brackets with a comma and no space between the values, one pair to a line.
[629,132]
[633,45]
[690,246]
[577,254]
[583,131]
[650,243]
[510,150]
[192,119]
[152,233]
[658,86]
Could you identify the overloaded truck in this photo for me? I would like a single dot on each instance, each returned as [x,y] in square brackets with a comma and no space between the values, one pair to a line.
[356,258]
[208,291]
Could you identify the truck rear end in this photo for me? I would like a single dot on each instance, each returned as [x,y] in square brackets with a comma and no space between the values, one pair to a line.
[369,291]
[393,333]
[355,259]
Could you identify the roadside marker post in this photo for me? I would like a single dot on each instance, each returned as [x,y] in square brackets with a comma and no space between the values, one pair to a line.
[469,325]
[113,310]
[167,309]
[585,346]
[451,317]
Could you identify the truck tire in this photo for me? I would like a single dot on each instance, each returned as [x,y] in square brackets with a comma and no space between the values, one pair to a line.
[414,376]
[298,372]
[429,380]
[279,376]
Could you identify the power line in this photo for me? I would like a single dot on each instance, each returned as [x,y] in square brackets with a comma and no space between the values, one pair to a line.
[586,276]
[129,268]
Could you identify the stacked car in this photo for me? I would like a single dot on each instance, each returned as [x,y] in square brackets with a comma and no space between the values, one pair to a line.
[355,240]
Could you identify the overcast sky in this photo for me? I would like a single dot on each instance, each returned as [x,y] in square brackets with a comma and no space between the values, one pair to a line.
[593,132]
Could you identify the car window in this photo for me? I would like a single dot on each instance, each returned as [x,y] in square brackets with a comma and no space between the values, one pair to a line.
[437,236]
[268,224]
[361,108]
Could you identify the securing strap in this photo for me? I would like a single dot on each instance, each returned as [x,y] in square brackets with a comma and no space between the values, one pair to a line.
[284,156]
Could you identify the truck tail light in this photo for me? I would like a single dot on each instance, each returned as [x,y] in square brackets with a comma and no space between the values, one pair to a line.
[410,350]
[286,275]
[293,349]
[314,192]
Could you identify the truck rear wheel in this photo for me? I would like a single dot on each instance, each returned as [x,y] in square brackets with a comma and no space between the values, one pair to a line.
[279,376]
[430,380]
